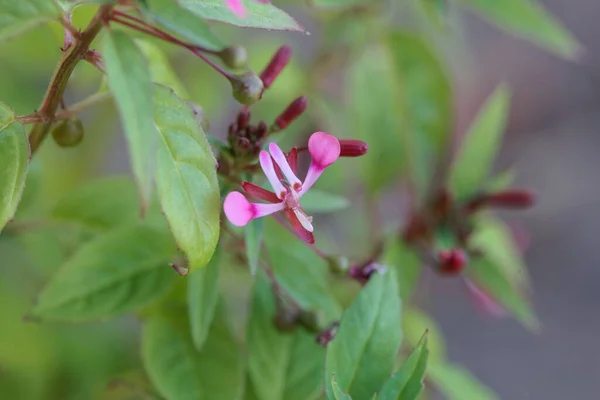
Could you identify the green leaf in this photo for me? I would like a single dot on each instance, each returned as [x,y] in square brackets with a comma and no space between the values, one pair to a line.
[318,201]
[340,3]
[100,205]
[501,181]
[260,15]
[414,322]
[160,68]
[407,383]
[130,82]
[338,394]
[14,162]
[19,16]
[363,353]
[202,295]
[280,365]
[302,273]
[173,17]
[529,20]
[488,276]
[254,239]
[436,11]
[407,264]
[116,272]
[456,383]
[428,101]
[186,178]
[480,145]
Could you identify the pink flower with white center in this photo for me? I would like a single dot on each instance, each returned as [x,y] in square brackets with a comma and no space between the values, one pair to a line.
[324,150]
[237,7]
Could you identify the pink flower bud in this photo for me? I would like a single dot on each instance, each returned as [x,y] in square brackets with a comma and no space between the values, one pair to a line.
[353,148]
[293,111]
[451,261]
[277,64]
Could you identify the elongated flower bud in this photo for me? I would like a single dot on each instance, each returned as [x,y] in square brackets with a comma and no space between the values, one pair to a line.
[280,59]
[293,111]
[353,148]
[514,199]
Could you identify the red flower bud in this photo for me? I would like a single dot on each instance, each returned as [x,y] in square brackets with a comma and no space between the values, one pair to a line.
[293,111]
[515,199]
[452,261]
[277,64]
[243,118]
[353,148]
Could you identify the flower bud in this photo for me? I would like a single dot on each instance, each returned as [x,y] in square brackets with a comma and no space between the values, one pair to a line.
[293,111]
[451,261]
[514,199]
[234,57]
[247,89]
[261,130]
[68,133]
[353,148]
[280,59]
[243,118]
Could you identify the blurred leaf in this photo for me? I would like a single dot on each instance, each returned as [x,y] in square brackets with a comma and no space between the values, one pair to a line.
[529,19]
[280,365]
[129,80]
[22,15]
[480,145]
[253,235]
[407,383]
[501,181]
[414,323]
[160,68]
[340,3]
[186,178]
[300,272]
[436,11]
[318,201]
[407,264]
[114,273]
[488,276]
[175,18]
[338,394]
[14,162]
[363,353]
[102,204]
[379,123]
[456,383]
[428,97]
[202,295]
[260,15]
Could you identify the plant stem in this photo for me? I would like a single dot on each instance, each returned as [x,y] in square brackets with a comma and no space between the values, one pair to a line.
[67,112]
[59,80]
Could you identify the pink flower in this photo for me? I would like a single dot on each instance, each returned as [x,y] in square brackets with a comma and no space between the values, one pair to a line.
[324,150]
[237,7]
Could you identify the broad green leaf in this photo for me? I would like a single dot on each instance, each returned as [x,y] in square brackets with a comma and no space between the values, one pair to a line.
[302,273]
[379,123]
[100,205]
[338,394]
[116,272]
[175,18]
[318,201]
[456,383]
[253,234]
[488,276]
[363,353]
[414,322]
[202,295]
[186,178]
[529,20]
[130,82]
[260,15]
[481,143]
[407,264]
[280,365]
[19,16]
[160,68]
[428,101]
[14,162]
[407,383]
[340,3]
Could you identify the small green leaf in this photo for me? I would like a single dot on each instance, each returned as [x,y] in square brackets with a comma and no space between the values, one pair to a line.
[480,145]
[260,15]
[338,394]
[529,20]
[130,82]
[414,322]
[318,201]
[363,353]
[280,365]
[501,181]
[407,383]
[202,295]
[116,272]
[19,16]
[175,18]
[254,238]
[160,68]
[456,383]
[186,178]
[14,162]
[300,272]
[407,264]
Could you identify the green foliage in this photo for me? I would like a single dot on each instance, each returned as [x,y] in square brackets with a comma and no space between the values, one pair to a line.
[456,383]
[318,201]
[19,16]
[254,240]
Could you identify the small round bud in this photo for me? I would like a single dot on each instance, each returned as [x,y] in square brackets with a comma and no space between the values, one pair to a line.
[234,57]
[280,59]
[247,89]
[68,133]
[293,111]
[353,148]
[451,261]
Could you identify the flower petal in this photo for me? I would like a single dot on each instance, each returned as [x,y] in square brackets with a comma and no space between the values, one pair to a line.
[324,149]
[302,233]
[260,193]
[281,160]
[304,219]
[267,166]
[236,7]
[240,211]
[293,159]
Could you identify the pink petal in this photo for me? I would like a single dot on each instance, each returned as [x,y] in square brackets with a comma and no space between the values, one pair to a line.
[324,149]
[281,160]
[484,301]
[267,166]
[239,211]
[237,7]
